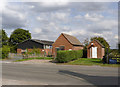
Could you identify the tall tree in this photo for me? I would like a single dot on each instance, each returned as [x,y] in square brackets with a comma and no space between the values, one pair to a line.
[103,42]
[4,38]
[19,35]
[0,39]
[86,42]
[119,47]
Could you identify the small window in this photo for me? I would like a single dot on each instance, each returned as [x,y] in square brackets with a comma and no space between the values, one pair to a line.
[62,47]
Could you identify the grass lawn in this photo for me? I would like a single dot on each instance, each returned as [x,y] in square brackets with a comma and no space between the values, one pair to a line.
[86,61]
[46,58]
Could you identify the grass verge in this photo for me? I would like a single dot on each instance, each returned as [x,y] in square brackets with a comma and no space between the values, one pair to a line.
[90,62]
[46,58]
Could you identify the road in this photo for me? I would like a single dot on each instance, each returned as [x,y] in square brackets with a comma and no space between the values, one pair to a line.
[52,74]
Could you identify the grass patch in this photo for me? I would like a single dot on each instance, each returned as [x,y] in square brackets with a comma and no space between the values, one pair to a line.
[86,61]
[46,58]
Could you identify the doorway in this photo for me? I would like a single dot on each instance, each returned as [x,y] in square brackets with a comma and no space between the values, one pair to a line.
[94,52]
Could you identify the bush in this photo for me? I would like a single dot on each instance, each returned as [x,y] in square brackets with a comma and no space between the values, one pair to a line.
[66,56]
[13,49]
[5,51]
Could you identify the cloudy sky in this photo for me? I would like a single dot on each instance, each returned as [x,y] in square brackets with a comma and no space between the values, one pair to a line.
[46,20]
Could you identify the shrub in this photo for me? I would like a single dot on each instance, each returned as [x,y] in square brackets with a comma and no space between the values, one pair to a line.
[13,49]
[66,56]
[5,51]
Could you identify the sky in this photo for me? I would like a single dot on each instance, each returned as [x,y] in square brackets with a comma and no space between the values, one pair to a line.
[47,20]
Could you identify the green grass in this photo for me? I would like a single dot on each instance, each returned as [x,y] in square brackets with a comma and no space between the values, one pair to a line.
[86,61]
[46,58]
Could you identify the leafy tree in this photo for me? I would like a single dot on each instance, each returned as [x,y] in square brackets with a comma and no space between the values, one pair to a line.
[4,38]
[119,47]
[103,42]
[86,42]
[0,38]
[5,51]
[19,35]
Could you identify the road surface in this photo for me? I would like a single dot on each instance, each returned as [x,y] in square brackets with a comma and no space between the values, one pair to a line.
[52,74]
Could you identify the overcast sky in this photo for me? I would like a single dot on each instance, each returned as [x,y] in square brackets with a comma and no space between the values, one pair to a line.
[47,20]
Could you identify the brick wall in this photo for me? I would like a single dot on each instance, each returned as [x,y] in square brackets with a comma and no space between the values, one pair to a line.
[61,41]
[48,51]
[103,51]
[77,48]
[100,50]
[19,51]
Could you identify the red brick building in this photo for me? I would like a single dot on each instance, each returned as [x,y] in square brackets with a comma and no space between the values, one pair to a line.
[95,50]
[29,45]
[66,42]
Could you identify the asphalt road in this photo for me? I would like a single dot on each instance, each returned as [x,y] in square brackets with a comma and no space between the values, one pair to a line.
[51,74]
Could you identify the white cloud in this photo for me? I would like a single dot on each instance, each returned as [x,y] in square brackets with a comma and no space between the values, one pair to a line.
[103,26]
[31,6]
[60,15]
[116,36]
[78,17]
[52,3]
[77,32]
[3,3]
[108,24]
[37,30]
[39,18]
[97,34]
[48,20]
[12,18]
[93,17]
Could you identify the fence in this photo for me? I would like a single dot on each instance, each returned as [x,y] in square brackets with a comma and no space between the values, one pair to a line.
[16,56]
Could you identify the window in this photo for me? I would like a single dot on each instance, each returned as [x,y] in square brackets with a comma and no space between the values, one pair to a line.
[62,47]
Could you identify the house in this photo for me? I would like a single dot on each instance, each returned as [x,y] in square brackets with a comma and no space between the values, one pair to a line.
[66,42]
[95,50]
[30,44]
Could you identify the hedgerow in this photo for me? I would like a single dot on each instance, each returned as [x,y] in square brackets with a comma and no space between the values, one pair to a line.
[66,55]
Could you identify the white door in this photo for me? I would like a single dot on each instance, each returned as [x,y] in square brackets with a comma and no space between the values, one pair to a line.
[94,52]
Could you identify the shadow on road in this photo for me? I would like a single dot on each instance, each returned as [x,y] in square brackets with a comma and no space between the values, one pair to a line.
[95,80]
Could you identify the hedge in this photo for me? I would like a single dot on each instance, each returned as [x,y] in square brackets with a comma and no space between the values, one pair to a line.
[66,56]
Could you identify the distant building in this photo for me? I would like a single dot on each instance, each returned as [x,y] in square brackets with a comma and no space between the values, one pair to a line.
[66,42]
[30,44]
[95,50]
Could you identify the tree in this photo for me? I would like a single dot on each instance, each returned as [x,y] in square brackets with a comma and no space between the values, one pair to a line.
[5,51]
[0,43]
[119,47]
[4,38]
[103,42]
[86,42]
[19,35]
